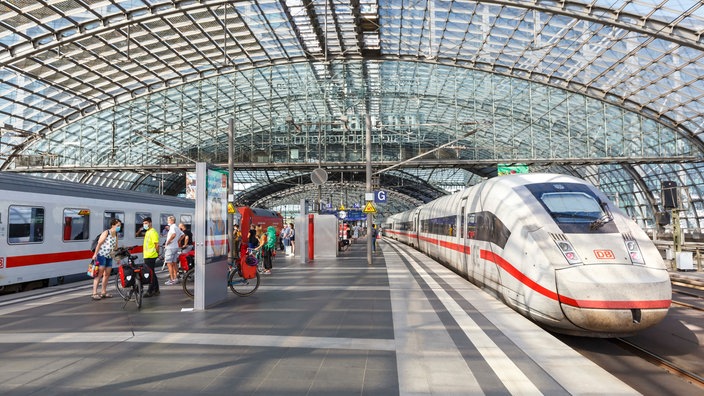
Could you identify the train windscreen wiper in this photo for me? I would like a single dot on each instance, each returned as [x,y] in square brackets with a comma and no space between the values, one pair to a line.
[606,217]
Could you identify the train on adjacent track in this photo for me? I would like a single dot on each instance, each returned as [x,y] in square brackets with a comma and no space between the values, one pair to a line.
[47,226]
[552,247]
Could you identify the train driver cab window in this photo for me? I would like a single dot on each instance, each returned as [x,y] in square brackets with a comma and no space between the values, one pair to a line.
[186,220]
[163,223]
[26,224]
[139,217]
[76,224]
[107,219]
[572,206]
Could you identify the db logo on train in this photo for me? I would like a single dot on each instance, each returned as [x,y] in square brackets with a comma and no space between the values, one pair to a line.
[604,254]
[2,262]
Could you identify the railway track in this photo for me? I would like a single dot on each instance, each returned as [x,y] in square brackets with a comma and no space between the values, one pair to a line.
[693,294]
[660,361]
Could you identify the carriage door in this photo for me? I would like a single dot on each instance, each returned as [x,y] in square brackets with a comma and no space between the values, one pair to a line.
[462,240]
[416,229]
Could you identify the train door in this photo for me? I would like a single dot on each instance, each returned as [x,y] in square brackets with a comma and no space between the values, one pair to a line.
[473,259]
[415,241]
[462,236]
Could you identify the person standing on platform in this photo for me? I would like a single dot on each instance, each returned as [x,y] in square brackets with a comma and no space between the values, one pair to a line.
[185,243]
[267,244]
[252,240]
[171,251]
[286,238]
[237,236]
[150,250]
[355,233]
[102,257]
[374,234]
[293,239]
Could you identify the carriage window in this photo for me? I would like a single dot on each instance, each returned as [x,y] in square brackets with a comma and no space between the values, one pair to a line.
[26,224]
[440,225]
[471,226]
[76,223]
[107,219]
[485,226]
[163,223]
[187,220]
[138,220]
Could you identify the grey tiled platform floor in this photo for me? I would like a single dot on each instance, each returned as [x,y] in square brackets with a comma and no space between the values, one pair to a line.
[403,325]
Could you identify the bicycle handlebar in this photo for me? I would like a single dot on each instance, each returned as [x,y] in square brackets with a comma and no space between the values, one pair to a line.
[124,251]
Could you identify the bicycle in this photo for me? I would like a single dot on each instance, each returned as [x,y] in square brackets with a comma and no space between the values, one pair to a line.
[130,276]
[257,256]
[235,280]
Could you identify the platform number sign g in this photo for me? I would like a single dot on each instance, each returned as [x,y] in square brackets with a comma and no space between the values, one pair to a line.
[380,196]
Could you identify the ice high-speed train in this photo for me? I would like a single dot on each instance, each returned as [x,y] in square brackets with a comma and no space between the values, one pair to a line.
[552,247]
[47,226]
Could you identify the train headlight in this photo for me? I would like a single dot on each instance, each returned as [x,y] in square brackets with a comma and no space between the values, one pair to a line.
[568,251]
[634,252]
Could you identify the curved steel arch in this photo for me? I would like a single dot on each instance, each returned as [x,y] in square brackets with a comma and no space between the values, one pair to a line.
[93,98]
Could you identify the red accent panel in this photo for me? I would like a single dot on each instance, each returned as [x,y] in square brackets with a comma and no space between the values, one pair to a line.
[645,304]
[311,237]
[35,259]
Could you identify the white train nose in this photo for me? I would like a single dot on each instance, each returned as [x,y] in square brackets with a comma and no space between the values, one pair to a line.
[614,299]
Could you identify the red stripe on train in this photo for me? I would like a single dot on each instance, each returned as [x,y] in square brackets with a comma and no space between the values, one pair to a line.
[49,258]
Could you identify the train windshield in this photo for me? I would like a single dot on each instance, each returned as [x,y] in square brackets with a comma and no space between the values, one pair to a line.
[572,207]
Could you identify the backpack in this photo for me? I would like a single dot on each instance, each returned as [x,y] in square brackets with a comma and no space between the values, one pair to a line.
[94,244]
[270,238]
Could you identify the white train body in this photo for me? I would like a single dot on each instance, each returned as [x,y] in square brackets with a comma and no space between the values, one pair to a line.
[552,247]
[47,226]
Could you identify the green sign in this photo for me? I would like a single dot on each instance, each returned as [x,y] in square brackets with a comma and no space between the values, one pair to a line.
[504,169]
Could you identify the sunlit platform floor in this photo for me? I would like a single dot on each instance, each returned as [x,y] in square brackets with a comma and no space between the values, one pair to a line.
[338,326]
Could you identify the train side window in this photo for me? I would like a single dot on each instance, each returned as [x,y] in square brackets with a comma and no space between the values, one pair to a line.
[107,219]
[26,224]
[163,223]
[76,224]
[471,226]
[187,220]
[138,220]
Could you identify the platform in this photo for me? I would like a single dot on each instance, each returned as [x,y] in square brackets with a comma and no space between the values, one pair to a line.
[403,325]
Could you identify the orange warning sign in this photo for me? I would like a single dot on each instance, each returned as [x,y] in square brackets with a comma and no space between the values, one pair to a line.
[369,208]
[230,208]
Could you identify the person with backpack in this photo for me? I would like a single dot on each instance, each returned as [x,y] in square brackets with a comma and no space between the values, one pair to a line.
[267,244]
[102,256]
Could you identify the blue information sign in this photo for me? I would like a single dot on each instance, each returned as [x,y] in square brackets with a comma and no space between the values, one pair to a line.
[380,196]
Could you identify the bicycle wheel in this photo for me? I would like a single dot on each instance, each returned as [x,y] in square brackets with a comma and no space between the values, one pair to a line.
[124,293]
[138,290]
[188,282]
[240,286]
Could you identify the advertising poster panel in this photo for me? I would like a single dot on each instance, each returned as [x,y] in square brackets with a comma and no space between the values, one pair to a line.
[216,229]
